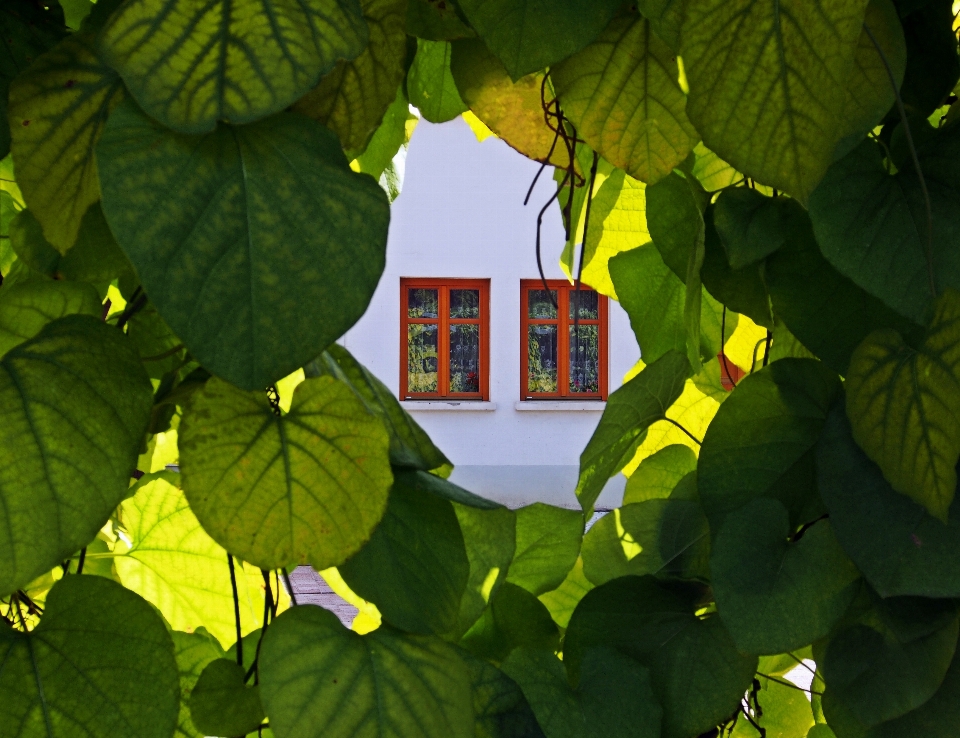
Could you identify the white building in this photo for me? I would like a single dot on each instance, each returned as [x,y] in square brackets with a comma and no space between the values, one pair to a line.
[461,216]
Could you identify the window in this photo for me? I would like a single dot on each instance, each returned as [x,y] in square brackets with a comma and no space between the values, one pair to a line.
[556,361]
[443,338]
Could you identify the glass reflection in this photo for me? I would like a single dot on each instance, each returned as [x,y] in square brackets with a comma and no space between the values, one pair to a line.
[585,359]
[539,304]
[464,303]
[422,358]
[465,358]
[422,303]
[542,358]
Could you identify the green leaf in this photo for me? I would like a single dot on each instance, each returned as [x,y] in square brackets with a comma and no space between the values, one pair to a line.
[433,20]
[220,702]
[562,601]
[697,674]
[189,66]
[711,171]
[415,567]
[776,593]
[752,226]
[825,310]
[548,543]
[666,17]
[73,675]
[351,100]
[267,204]
[659,473]
[74,405]
[499,707]
[154,339]
[515,618]
[655,299]
[528,35]
[759,443]
[878,672]
[777,70]
[436,485]
[904,407]
[900,548]
[59,109]
[385,155]
[872,226]
[430,82]
[512,109]
[933,67]
[173,563]
[305,487]
[28,30]
[622,94]
[785,711]
[630,410]
[674,206]
[319,679]
[489,536]
[613,699]
[26,308]
[669,538]
[409,444]
[193,651]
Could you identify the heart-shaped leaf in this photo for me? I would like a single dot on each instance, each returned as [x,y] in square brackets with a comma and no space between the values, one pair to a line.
[430,82]
[776,595]
[194,651]
[904,407]
[189,65]
[222,704]
[500,709]
[267,204]
[99,664]
[659,473]
[26,308]
[548,543]
[74,405]
[306,487]
[319,679]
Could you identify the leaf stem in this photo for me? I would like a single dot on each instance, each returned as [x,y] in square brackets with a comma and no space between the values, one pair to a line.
[83,558]
[236,609]
[697,440]
[785,683]
[290,592]
[913,156]
[723,354]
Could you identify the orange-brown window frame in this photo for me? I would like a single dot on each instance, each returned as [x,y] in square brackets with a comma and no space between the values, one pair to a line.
[443,322]
[564,323]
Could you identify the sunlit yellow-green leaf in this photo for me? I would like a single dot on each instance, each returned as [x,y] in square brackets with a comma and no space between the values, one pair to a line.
[173,563]
[352,99]
[59,108]
[26,308]
[767,83]
[622,94]
[307,487]
[904,406]
[562,601]
[190,64]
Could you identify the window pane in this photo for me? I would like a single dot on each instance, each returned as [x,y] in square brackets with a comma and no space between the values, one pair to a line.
[464,357]
[421,358]
[542,358]
[422,303]
[464,303]
[589,304]
[539,304]
[585,359]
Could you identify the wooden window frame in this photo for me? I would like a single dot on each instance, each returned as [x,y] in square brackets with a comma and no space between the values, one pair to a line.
[564,323]
[443,322]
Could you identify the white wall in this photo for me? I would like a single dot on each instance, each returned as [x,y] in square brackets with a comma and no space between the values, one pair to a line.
[461,214]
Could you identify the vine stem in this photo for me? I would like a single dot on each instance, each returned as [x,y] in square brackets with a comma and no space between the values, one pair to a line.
[290,593]
[697,440]
[236,609]
[723,355]
[913,156]
[83,558]
[583,251]
[785,683]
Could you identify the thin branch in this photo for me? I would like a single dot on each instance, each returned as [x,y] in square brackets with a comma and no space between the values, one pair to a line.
[697,440]
[803,664]
[236,610]
[83,558]
[766,353]
[913,155]
[723,354]
[785,683]
[166,354]
[290,593]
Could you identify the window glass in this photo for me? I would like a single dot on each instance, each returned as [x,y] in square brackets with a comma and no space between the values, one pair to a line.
[542,358]
[589,304]
[540,306]
[422,303]
[421,358]
[464,303]
[465,357]
[585,358]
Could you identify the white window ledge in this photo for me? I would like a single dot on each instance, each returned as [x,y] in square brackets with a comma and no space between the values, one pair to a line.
[461,406]
[561,406]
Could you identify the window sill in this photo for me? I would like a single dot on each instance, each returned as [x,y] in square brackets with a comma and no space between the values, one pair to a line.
[461,406]
[560,406]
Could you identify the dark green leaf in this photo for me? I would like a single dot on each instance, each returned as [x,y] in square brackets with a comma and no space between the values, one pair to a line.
[267,204]
[515,618]
[752,226]
[26,308]
[904,407]
[562,601]
[630,411]
[774,594]
[318,679]
[388,144]
[436,20]
[759,442]
[193,651]
[777,71]
[99,664]
[548,543]
[415,567]
[674,207]
[665,18]
[220,702]
[872,226]
[307,487]
[900,548]
[697,673]
[932,64]
[500,709]
[74,405]
[190,65]
[529,35]
[784,711]
[430,82]
[659,473]
[409,444]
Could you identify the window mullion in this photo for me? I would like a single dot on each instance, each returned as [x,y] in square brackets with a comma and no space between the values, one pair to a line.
[563,342]
[443,341]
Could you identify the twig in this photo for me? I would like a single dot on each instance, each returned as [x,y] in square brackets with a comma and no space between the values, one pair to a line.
[697,440]
[83,557]
[583,251]
[723,354]
[236,610]
[290,593]
[785,683]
